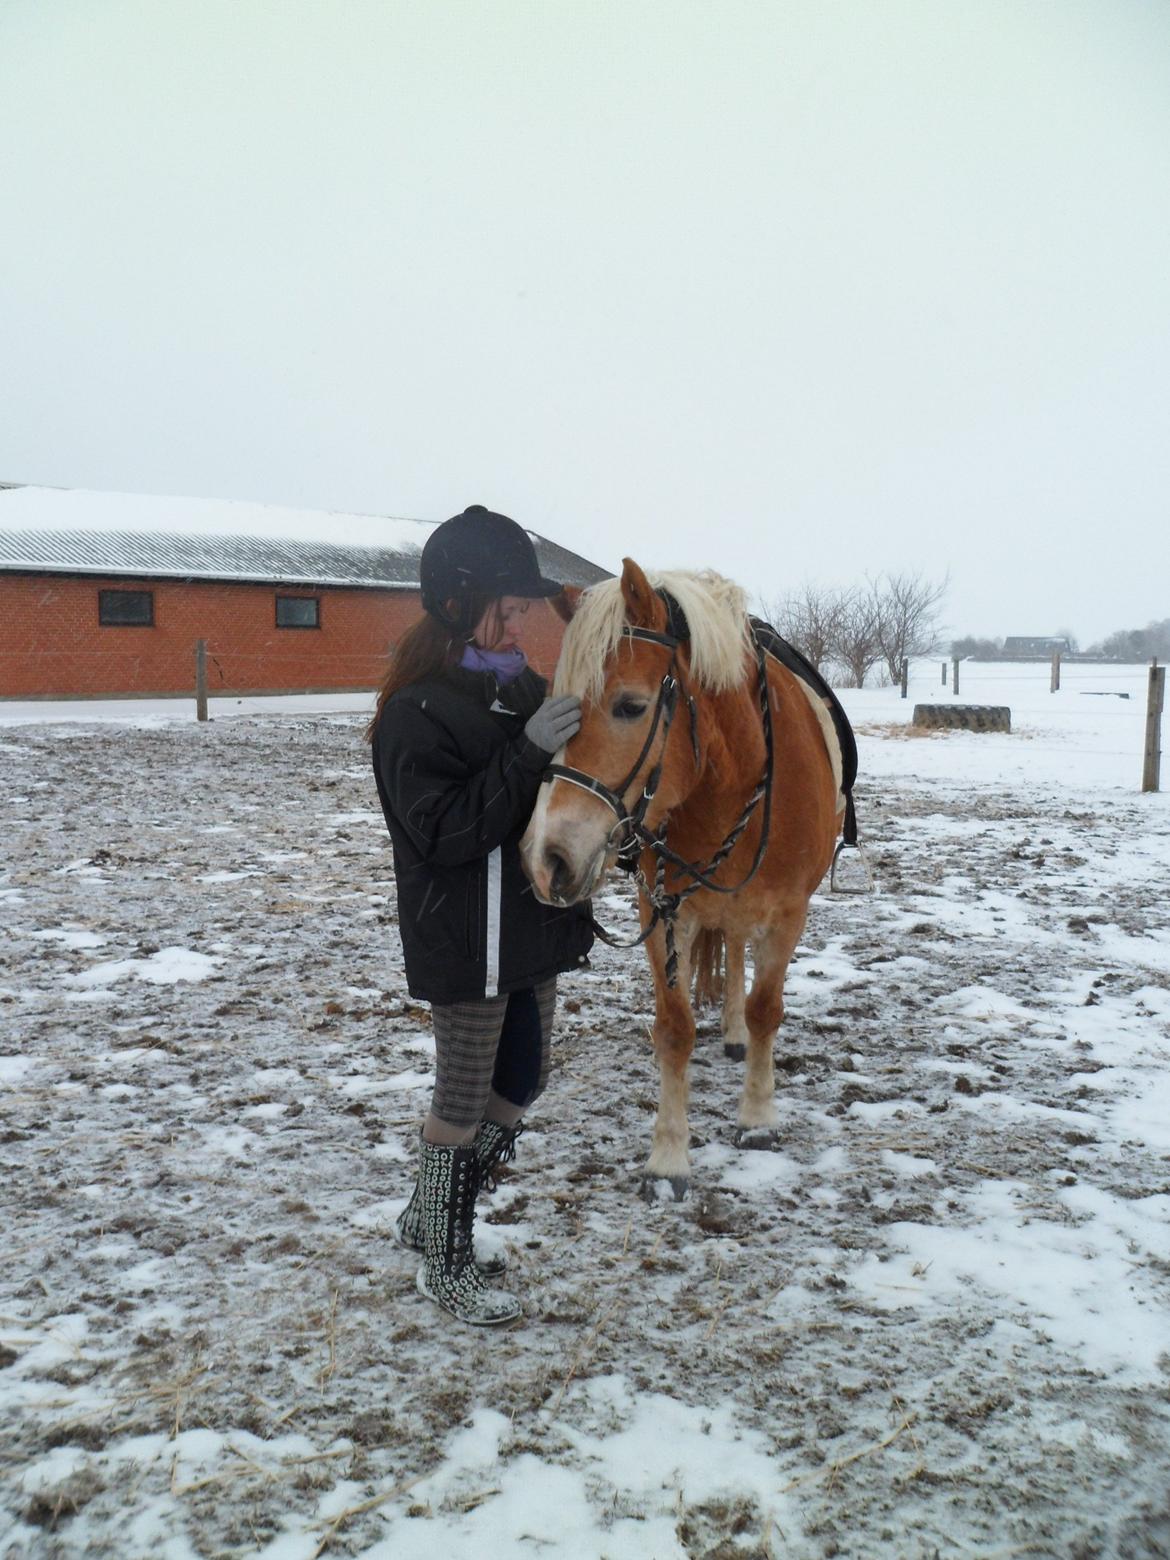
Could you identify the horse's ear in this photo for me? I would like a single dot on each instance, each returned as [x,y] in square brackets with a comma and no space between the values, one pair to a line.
[644,608]
[564,604]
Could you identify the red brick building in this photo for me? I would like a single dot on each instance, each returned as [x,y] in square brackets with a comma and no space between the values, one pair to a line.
[104,595]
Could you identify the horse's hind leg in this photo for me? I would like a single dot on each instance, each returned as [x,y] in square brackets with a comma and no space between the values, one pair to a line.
[707,968]
[763,1011]
[735,1034]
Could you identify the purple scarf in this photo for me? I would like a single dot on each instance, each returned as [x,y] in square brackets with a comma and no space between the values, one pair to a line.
[506,664]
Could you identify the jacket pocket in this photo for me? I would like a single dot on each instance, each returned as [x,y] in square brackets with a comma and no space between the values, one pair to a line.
[473,912]
[446,921]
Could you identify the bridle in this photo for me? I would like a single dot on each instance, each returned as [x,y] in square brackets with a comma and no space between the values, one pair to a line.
[632,834]
[632,822]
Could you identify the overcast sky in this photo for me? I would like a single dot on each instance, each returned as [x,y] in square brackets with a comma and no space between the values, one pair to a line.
[794,290]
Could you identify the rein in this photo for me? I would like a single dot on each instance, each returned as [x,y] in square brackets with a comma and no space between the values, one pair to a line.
[635,837]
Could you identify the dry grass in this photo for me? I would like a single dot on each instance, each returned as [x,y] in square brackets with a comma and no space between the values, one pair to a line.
[584,1350]
[902,731]
[330,1367]
[833,1470]
[334,1524]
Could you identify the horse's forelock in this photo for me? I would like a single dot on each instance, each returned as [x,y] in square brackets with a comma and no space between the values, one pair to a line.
[593,634]
[716,612]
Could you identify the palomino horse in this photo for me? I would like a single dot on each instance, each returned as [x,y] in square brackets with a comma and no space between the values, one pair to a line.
[719,770]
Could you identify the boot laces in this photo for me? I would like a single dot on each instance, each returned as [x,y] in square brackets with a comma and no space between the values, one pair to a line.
[503,1153]
[466,1184]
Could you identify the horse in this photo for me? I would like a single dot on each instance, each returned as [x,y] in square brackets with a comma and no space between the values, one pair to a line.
[711,770]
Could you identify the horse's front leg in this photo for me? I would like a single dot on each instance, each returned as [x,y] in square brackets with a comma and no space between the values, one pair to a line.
[763,1012]
[674,1040]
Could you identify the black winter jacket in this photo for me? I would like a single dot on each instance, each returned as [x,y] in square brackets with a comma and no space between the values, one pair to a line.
[458,779]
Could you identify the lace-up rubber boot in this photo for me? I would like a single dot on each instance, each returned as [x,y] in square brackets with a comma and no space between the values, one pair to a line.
[409,1229]
[448,1275]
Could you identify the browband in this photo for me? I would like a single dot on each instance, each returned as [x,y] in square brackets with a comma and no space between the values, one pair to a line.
[652,636]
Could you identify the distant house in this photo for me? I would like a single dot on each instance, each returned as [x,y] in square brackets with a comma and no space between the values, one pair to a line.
[1034,644]
[106,594]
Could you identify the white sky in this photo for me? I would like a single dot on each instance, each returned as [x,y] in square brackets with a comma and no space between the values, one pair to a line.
[789,289]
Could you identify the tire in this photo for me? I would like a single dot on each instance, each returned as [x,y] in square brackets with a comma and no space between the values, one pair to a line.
[963,717]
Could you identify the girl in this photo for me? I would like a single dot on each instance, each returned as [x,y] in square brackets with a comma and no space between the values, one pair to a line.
[461,736]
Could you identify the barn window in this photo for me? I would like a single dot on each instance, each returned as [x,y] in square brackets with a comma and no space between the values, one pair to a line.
[298,612]
[126,608]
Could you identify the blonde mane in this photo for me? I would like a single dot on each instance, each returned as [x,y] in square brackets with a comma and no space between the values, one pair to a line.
[716,611]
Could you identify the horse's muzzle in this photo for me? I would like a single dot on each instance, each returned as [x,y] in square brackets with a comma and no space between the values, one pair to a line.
[558,883]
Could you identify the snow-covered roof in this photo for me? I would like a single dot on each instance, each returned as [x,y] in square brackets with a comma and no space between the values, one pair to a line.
[75,531]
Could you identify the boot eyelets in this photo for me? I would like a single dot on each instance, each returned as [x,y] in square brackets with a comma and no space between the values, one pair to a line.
[449,1275]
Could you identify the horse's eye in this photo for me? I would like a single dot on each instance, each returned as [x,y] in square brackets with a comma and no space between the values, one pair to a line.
[629,709]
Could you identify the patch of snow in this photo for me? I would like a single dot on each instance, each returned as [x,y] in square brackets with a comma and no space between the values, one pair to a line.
[163,968]
[70,936]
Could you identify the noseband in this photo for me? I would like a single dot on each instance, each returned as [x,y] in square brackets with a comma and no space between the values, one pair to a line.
[632,834]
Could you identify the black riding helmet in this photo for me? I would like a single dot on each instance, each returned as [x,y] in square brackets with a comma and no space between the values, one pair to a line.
[478,555]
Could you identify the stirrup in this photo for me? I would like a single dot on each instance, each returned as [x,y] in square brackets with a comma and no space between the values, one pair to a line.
[846,879]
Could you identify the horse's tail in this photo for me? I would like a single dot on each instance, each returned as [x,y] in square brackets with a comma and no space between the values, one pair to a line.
[707,968]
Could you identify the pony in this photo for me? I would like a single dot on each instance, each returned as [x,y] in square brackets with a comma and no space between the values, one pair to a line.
[711,770]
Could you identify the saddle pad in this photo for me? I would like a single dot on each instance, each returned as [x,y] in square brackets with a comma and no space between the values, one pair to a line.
[783,652]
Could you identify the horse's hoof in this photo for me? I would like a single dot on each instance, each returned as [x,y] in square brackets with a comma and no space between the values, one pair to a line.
[665,1188]
[736,1051]
[766,1138]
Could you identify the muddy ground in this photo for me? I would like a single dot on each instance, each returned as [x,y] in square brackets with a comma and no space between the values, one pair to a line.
[199,1177]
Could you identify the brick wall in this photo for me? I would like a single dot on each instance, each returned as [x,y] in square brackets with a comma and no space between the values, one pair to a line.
[52,645]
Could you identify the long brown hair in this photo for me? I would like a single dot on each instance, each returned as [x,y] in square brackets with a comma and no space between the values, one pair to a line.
[429,649]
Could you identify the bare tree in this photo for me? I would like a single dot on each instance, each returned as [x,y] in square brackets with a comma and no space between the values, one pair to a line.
[886,620]
[908,617]
[1138,644]
[857,635]
[808,619]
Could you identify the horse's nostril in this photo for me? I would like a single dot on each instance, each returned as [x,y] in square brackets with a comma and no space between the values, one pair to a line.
[558,873]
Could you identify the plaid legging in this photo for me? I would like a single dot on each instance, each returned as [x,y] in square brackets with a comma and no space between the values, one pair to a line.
[499,1043]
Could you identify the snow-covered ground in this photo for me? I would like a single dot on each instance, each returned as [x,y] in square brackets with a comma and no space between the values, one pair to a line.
[934,1323]
[147,713]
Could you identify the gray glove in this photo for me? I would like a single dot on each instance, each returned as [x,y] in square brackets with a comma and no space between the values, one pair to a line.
[554,723]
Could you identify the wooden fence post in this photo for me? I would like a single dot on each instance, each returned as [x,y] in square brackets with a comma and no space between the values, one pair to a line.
[944,667]
[955,685]
[1054,686]
[1151,769]
[201,679]
[905,675]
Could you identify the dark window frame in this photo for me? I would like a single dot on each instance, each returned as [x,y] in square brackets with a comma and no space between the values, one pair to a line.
[105,621]
[316,600]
